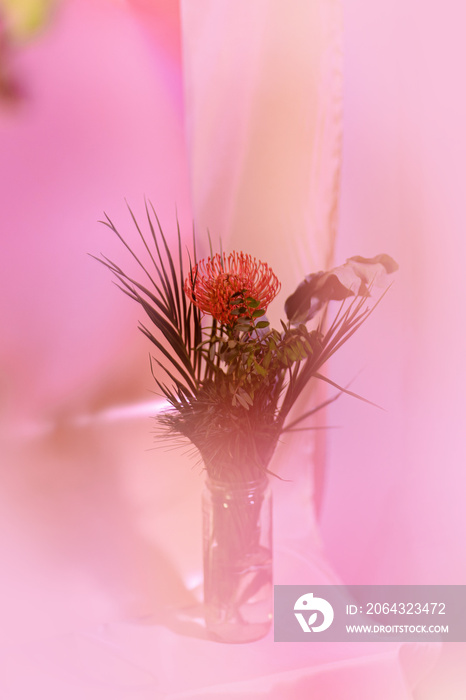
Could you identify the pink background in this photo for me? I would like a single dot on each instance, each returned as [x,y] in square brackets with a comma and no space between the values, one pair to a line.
[404,149]
[107,117]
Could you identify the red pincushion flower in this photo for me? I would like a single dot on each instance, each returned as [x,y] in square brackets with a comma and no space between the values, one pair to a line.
[215,281]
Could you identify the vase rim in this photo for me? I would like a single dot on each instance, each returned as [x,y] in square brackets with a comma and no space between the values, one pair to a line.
[236,485]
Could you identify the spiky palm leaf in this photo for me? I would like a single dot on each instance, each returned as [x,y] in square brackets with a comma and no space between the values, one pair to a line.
[165,306]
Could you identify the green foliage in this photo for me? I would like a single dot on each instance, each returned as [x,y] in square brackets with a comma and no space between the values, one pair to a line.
[230,388]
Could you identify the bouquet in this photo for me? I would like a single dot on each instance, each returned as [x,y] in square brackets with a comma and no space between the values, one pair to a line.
[229,378]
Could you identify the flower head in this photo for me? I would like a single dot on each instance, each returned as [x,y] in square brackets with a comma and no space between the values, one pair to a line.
[216,284]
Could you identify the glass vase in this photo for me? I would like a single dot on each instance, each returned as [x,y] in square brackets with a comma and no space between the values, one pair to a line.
[237,549]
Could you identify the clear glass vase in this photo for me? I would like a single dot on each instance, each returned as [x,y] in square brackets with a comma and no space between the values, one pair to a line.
[237,539]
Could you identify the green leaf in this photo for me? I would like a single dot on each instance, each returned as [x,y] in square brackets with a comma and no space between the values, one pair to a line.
[242,401]
[267,359]
[252,303]
[301,350]
[262,324]
[291,355]
[243,327]
[258,313]
[244,394]
[260,370]
[308,346]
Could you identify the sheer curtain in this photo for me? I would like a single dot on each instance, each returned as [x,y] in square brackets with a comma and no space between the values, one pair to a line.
[395,479]
[263,120]
[404,149]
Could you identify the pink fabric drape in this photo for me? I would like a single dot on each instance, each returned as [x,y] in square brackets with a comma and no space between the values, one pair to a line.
[403,165]
[264,128]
